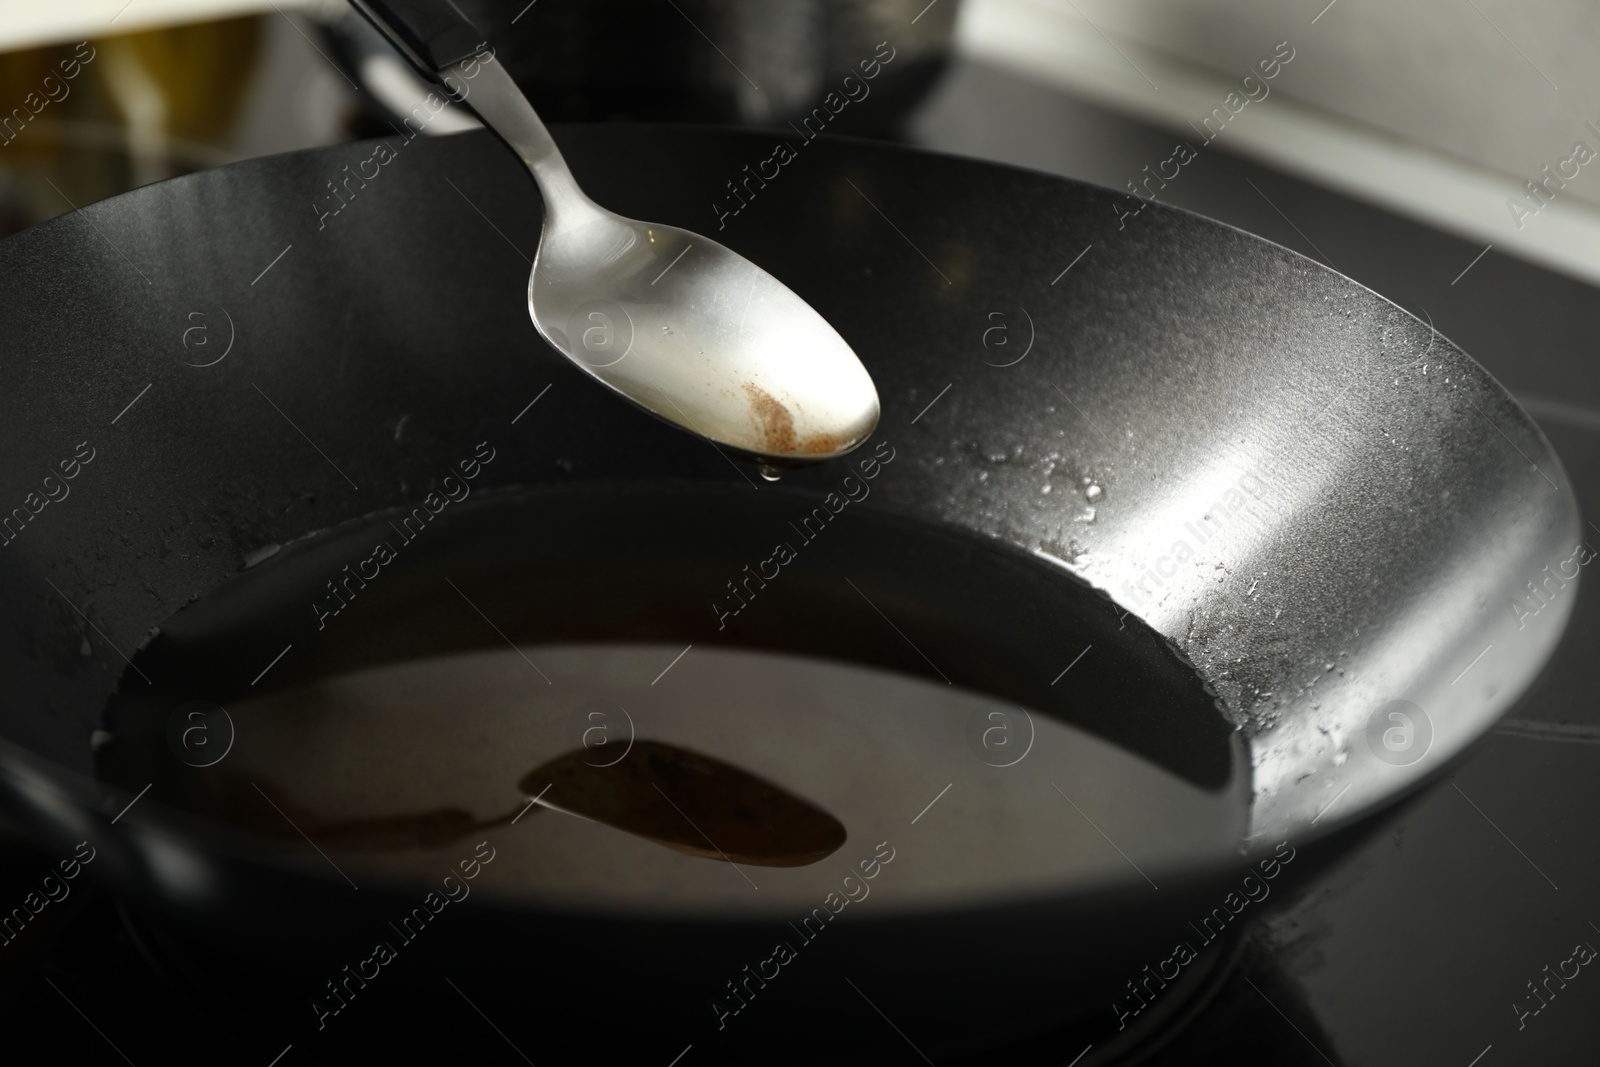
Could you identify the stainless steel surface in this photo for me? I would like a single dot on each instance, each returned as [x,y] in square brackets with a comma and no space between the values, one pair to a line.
[691,331]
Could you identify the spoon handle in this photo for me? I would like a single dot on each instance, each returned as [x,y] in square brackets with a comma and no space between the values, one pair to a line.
[446,48]
[502,107]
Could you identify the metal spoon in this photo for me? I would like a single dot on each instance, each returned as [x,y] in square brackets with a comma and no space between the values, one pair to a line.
[686,329]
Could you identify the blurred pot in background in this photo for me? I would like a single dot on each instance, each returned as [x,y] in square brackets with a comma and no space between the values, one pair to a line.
[743,62]
[81,122]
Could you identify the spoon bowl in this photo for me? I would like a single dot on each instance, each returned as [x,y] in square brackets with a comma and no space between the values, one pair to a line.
[699,336]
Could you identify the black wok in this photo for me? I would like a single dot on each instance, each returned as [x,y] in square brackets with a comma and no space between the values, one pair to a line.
[1365,518]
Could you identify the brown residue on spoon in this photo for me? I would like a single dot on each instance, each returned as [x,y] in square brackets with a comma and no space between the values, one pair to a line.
[820,444]
[777,428]
[777,425]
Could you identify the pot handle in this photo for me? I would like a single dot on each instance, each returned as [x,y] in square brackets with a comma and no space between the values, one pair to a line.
[431,34]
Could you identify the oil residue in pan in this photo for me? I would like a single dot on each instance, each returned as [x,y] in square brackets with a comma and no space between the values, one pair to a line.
[484,694]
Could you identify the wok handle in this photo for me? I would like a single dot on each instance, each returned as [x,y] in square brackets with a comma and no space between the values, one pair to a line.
[431,34]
